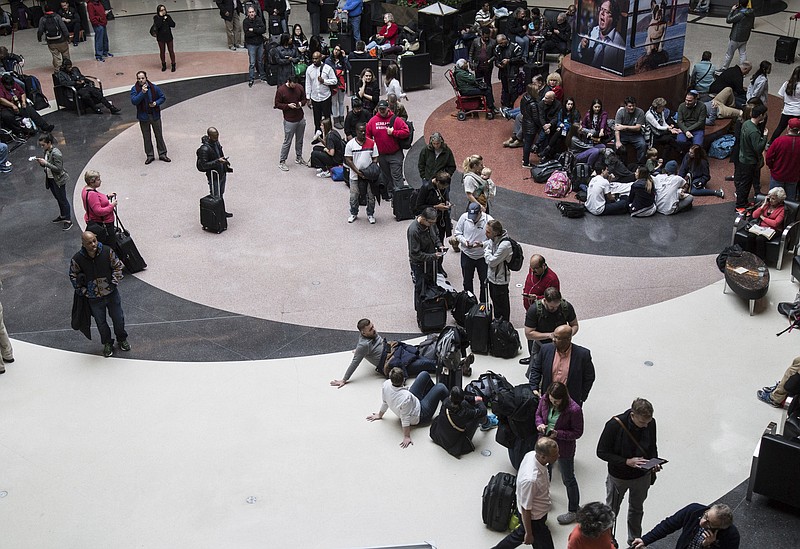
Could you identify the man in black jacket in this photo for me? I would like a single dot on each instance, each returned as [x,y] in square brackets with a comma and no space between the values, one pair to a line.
[701,526]
[90,95]
[507,58]
[559,37]
[627,442]
[549,109]
[254,29]
[211,159]
[562,356]
[356,116]
[728,88]
[230,10]
[314,7]
[424,250]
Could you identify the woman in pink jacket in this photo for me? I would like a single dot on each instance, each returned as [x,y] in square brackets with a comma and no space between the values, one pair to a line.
[99,208]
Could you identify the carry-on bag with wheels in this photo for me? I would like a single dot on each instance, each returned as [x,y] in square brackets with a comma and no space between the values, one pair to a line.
[126,248]
[786,46]
[432,312]
[478,325]
[401,203]
[212,208]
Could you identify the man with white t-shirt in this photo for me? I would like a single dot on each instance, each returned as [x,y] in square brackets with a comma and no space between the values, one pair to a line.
[600,198]
[359,153]
[533,498]
[670,198]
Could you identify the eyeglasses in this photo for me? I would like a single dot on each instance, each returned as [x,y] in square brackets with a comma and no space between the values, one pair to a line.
[708,522]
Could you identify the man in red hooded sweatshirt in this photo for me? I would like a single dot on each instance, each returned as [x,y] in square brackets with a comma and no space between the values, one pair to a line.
[386,130]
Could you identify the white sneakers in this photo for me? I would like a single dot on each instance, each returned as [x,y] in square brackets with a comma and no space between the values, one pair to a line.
[352,218]
[370,218]
[283,167]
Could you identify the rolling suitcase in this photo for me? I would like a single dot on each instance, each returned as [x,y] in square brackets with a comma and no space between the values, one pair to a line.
[126,249]
[478,324]
[786,46]
[432,312]
[212,209]
[401,203]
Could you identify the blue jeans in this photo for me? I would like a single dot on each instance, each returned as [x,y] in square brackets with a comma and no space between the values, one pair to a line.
[100,42]
[113,304]
[638,142]
[429,396]
[616,208]
[790,188]
[567,468]
[468,268]
[524,43]
[355,22]
[697,139]
[256,53]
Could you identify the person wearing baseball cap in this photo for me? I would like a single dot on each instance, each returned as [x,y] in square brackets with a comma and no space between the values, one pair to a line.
[386,130]
[470,231]
[783,160]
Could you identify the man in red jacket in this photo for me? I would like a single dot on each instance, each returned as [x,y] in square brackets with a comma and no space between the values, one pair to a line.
[386,133]
[783,160]
[291,98]
[98,16]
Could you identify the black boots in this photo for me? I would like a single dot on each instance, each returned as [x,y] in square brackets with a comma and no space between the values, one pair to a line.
[163,67]
[173,68]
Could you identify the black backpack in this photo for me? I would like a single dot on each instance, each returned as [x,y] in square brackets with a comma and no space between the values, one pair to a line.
[543,170]
[487,385]
[571,209]
[499,501]
[52,30]
[198,164]
[406,142]
[504,339]
[463,302]
[517,258]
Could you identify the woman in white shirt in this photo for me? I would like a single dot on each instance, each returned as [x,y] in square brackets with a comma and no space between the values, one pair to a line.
[790,91]
[392,81]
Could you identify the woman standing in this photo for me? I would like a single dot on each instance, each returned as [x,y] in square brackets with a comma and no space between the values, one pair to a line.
[560,418]
[392,81]
[163,24]
[694,169]
[99,208]
[285,56]
[299,39]
[497,251]
[369,91]
[759,84]
[474,185]
[341,67]
[56,178]
[791,102]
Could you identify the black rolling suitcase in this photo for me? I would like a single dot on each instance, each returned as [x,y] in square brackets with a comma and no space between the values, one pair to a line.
[478,324]
[126,249]
[401,203]
[432,312]
[786,46]
[212,209]
[498,501]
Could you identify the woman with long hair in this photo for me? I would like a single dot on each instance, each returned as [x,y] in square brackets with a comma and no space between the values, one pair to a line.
[458,420]
[285,55]
[369,90]
[392,81]
[759,83]
[694,169]
[791,102]
[299,39]
[643,194]
[595,123]
[163,24]
[331,154]
[341,67]
[474,185]
[560,418]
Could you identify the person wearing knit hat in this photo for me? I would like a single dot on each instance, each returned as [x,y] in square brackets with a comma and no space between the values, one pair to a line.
[670,198]
[783,160]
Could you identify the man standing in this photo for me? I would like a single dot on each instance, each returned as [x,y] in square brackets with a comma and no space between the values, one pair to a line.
[541,320]
[354,8]
[507,59]
[751,147]
[290,99]
[533,498]
[540,277]
[98,17]
[314,7]
[627,442]
[481,55]
[470,232]
[424,251]
[211,158]
[254,29]
[95,272]
[414,406]
[386,136]
[691,121]
[700,525]
[783,160]
[563,362]
[628,124]
[356,116]
[497,252]
[319,79]
[6,351]
[148,98]
[743,19]
[360,153]
[57,36]
[229,10]
[373,347]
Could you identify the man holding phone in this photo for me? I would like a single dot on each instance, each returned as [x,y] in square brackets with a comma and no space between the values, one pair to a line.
[148,98]
[424,251]
[700,525]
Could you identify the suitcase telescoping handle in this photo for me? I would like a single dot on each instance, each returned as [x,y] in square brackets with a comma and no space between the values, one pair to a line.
[792,26]
[215,184]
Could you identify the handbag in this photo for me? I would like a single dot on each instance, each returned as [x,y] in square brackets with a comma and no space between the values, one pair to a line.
[639,446]
[299,68]
[153,31]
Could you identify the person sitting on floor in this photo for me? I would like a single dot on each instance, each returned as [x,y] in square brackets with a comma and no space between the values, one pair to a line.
[599,198]
[414,406]
[89,95]
[324,157]
[670,198]
[694,169]
[643,194]
[458,420]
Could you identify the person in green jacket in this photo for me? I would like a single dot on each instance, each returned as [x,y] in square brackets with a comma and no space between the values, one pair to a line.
[436,157]
[752,142]
[468,85]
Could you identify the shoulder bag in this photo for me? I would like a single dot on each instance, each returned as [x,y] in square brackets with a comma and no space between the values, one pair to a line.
[639,446]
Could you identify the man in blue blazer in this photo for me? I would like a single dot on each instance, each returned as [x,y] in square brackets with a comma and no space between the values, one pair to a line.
[562,361]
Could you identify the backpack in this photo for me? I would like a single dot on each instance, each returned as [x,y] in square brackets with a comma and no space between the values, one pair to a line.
[729,251]
[406,142]
[721,147]
[427,348]
[504,339]
[517,257]
[448,349]
[516,409]
[487,385]
[52,30]
[543,170]
[463,302]
[499,501]
[568,160]
[571,209]
[198,164]
[557,185]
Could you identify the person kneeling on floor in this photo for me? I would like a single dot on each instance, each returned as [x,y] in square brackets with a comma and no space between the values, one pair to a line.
[414,406]
[456,424]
